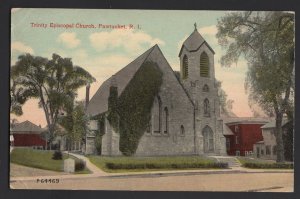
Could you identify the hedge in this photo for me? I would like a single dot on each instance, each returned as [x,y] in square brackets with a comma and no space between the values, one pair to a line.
[268,165]
[111,165]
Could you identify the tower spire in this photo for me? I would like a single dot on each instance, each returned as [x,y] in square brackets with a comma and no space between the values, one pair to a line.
[195,25]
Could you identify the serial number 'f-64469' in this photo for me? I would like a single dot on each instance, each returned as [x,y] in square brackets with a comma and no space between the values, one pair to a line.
[47,181]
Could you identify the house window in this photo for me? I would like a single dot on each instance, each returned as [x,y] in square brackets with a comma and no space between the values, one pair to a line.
[182,130]
[268,150]
[204,65]
[246,153]
[166,120]
[206,108]
[237,153]
[237,140]
[262,152]
[205,88]
[236,128]
[185,67]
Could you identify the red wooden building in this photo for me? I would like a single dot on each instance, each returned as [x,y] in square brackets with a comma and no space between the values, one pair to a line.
[242,133]
[27,134]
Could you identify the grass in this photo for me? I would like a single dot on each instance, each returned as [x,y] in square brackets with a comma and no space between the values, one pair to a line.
[134,164]
[40,159]
[263,164]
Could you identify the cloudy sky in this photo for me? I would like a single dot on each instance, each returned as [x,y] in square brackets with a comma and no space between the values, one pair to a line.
[103,52]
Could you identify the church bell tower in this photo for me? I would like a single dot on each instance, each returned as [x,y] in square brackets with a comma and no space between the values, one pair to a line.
[197,74]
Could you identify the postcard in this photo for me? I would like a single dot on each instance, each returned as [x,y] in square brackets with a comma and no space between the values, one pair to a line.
[152,100]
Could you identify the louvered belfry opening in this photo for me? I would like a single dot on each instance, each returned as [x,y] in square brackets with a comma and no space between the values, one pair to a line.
[185,67]
[204,65]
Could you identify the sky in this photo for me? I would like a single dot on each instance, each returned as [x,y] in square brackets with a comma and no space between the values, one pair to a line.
[104,51]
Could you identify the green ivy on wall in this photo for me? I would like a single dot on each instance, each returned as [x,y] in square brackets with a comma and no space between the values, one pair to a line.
[132,112]
[100,132]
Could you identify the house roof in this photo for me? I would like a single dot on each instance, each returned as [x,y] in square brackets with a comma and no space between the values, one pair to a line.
[99,102]
[227,130]
[194,42]
[272,124]
[246,120]
[260,142]
[27,127]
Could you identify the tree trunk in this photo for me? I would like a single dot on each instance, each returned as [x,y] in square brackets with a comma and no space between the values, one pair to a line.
[279,140]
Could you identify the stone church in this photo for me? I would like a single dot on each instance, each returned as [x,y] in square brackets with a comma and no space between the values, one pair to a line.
[185,115]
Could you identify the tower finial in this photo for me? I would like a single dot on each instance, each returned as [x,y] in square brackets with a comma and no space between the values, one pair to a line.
[195,26]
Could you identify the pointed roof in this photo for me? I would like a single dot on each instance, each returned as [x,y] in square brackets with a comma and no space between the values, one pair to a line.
[272,124]
[99,102]
[26,126]
[194,42]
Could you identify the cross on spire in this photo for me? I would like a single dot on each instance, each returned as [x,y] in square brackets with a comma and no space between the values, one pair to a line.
[195,26]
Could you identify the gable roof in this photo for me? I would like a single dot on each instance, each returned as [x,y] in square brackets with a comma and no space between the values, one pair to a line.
[99,102]
[26,126]
[272,124]
[194,42]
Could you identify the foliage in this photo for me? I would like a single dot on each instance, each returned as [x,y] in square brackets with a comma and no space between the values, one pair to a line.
[100,132]
[54,82]
[134,106]
[182,165]
[113,116]
[57,155]
[124,163]
[288,141]
[225,104]
[268,166]
[266,40]
[79,165]
[80,121]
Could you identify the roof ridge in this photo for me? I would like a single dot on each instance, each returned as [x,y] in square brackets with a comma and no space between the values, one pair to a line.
[150,50]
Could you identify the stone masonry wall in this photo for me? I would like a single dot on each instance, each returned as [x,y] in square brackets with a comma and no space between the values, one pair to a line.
[181,112]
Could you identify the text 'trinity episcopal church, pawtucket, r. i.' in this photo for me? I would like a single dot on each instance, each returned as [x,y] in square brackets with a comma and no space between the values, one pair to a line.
[185,114]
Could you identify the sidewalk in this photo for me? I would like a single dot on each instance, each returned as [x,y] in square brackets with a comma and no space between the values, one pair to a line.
[98,173]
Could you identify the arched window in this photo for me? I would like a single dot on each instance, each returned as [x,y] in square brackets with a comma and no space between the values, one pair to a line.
[157,115]
[185,67]
[166,125]
[205,88]
[206,108]
[204,65]
[182,130]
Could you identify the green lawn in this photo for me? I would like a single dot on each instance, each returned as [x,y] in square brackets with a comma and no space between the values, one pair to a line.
[134,164]
[39,159]
[263,164]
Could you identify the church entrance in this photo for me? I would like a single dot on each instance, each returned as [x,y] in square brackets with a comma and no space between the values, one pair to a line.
[208,140]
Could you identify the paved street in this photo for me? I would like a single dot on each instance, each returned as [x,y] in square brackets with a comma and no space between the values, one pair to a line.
[269,182]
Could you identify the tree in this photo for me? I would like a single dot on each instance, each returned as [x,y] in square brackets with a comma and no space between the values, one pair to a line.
[266,41]
[225,104]
[54,82]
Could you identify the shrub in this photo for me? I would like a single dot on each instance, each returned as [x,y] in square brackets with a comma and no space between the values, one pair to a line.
[57,155]
[268,166]
[79,165]
[111,165]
